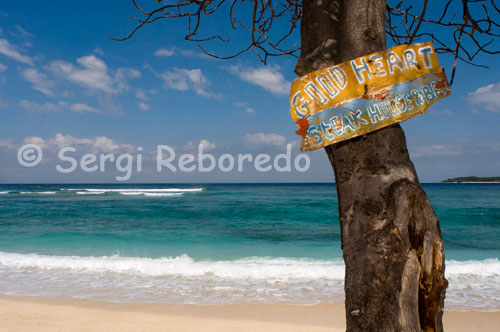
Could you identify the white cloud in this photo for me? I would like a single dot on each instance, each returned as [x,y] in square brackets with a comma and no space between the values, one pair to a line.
[99,144]
[268,78]
[98,51]
[23,32]
[7,144]
[3,67]
[487,96]
[141,94]
[170,51]
[188,79]
[105,144]
[43,108]
[82,108]
[143,106]
[108,106]
[192,54]
[440,111]
[435,150]
[265,139]
[93,74]
[35,140]
[242,104]
[163,52]
[56,107]
[10,50]
[123,74]
[39,81]
[60,141]
[206,144]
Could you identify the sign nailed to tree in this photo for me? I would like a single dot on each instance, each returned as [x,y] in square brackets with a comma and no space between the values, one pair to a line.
[365,94]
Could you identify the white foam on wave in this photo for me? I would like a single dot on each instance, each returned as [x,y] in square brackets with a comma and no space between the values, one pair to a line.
[485,268]
[158,190]
[38,192]
[255,268]
[473,285]
[90,193]
[131,193]
[3,192]
[149,194]
[162,194]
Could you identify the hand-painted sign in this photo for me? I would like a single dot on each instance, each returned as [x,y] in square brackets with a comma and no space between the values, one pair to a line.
[365,94]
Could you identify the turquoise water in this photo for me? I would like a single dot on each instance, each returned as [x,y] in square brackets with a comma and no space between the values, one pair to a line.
[219,243]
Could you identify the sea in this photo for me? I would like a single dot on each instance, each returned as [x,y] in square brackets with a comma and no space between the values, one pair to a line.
[219,243]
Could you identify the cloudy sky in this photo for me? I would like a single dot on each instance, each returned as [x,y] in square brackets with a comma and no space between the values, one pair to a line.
[64,83]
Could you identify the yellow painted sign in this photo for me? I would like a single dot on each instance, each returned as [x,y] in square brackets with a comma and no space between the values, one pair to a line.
[365,94]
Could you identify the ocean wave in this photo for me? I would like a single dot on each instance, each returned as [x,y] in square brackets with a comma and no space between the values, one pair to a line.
[150,194]
[253,267]
[256,268]
[38,192]
[135,191]
[3,192]
[162,194]
[485,268]
[473,285]
[90,192]
[158,190]
[131,193]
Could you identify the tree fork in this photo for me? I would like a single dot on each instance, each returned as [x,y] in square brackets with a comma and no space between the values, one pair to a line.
[391,239]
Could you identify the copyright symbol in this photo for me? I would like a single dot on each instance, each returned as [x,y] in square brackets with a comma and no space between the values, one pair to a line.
[29,155]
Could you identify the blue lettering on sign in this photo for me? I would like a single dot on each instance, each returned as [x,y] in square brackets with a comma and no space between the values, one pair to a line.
[409,58]
[379,65]
[394,61]
[337,129]
[315,134]
[346,123]
[426,52]
[359,69]
[302,110]
[314,93]
[374,113]
[401,100]
[353,116]
[327,129]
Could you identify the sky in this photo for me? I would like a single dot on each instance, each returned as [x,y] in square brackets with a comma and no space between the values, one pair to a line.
[63,83]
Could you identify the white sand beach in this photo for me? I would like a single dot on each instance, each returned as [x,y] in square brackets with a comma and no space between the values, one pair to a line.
[23,314]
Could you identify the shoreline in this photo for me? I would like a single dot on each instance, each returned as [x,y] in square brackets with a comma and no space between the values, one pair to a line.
[32,313]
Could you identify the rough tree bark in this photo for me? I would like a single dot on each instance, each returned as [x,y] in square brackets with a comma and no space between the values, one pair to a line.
[391,239]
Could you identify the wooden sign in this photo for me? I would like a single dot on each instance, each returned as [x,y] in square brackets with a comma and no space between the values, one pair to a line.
[365,94]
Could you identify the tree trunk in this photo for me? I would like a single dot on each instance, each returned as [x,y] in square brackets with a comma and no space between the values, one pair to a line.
[391,239]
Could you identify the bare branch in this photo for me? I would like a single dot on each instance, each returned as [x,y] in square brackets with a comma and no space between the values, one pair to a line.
[267,19]
[465,34]
[467,28]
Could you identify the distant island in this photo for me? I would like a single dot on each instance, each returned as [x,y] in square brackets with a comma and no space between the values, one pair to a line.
[463,179]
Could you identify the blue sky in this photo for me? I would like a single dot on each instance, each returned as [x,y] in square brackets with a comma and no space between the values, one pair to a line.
[64,83]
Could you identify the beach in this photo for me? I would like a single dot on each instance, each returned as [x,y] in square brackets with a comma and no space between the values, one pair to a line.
[21,313]
[214,257]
